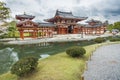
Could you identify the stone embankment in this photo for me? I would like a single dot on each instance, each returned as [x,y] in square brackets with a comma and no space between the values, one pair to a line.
[57,38]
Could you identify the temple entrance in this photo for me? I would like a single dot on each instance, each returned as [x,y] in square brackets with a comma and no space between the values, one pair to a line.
[70,29]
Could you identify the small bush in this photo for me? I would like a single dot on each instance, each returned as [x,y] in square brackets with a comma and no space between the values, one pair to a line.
[24,66]
[114,39]
[2,36]
[99,40]
[76,51]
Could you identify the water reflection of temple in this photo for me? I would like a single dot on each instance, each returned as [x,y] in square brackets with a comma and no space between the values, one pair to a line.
[61,23]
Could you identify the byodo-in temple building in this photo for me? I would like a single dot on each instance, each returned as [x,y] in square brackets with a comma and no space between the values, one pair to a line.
[61,23]
[94,27]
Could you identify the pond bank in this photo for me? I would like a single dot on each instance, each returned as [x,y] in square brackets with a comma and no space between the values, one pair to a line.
[59,67]
[58,38]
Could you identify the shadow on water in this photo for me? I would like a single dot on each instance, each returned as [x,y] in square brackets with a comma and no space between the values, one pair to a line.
[14,52]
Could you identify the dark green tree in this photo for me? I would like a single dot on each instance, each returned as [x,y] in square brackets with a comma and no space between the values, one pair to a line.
[116,25]
[12,30]
[4,11]
[110,27]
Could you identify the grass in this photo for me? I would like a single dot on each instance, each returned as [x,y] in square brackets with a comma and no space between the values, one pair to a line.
[58,67]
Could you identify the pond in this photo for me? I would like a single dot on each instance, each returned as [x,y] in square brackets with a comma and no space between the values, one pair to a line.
[104,64]
[12,53]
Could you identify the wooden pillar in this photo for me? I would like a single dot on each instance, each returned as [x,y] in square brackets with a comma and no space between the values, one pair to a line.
[100,30]
[47,32]
[82,30]
[42,32]
[97,30]
[87,31]
[59,30]
[22,34]
[66,30]
[34,33]
[37,31]
[82,77]
[91,31]
[52,32]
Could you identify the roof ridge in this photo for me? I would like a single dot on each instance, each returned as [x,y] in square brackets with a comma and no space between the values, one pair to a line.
[64,11]
[61,12]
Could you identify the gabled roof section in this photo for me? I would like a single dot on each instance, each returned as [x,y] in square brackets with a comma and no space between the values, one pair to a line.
[65,15]
[46,25]
[24,16]
[94,26]
[92,20]
[33,24]
[68,15]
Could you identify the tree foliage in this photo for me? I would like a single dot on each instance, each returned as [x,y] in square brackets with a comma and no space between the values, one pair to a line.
[12,30]
[110,27]
[4,11]
[116,25]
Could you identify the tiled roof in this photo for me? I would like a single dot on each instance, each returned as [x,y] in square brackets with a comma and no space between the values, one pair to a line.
[19,24]
[25,16]
[97,25]
[115,30]
[92,20]
[46,24]
[68,15]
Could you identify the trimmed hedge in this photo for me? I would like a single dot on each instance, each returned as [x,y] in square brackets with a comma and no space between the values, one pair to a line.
[99,40]
[76,51]
[24,66]
[114,39]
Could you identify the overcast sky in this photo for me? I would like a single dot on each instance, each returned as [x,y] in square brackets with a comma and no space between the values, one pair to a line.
[43,9]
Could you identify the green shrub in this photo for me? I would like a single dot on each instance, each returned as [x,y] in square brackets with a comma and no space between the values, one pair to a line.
[1,31]
[1,36]
[24,66]
[114,39]
[76,51]
[99,40]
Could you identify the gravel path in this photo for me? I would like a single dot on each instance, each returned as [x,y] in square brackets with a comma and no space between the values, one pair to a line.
[105,64]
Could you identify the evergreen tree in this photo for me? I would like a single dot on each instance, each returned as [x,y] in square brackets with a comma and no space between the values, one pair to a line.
[116,25]
[4,11]
[110,27]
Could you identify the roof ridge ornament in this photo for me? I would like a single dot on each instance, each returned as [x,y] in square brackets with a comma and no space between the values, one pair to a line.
[24,13]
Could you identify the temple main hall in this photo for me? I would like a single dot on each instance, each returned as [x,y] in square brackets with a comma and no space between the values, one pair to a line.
[61,23]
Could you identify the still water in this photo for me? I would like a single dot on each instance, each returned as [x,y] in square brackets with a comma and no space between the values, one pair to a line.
[9,54]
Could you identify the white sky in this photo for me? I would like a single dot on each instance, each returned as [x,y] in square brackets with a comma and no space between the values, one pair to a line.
[43,9]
